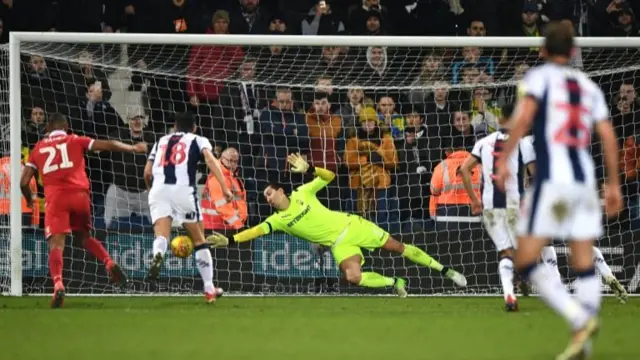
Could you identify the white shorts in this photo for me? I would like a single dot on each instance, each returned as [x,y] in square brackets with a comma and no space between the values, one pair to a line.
[561,211]
[500,224]
[175,201]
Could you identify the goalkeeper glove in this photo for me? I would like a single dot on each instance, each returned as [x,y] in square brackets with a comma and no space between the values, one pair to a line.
[217,240]
[298,164]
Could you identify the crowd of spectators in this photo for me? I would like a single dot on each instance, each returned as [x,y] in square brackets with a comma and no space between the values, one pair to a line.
[380,117]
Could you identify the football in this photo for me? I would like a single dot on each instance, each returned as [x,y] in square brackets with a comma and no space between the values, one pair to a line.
[181,246]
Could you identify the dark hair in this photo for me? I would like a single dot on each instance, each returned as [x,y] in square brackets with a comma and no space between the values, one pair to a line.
[185,122]
[507,110]
[275,185]
[558,40]
[320,95]
[57,120]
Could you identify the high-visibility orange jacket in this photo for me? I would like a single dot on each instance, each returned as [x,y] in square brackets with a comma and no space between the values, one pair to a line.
[447,187]
[217,212]
[5,192]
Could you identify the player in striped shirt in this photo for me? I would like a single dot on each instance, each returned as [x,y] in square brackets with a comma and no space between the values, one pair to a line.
[173,197]
[550,259]
[499,208]
[563,105]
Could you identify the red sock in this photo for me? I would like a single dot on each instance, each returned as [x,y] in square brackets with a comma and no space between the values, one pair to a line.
[55,265]
[96,249]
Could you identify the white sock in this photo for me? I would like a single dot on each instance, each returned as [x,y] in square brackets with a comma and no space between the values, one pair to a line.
[557,297]
[601,264]
[550,260]
[159,246]
[588,291]
[204,262]
[505,268]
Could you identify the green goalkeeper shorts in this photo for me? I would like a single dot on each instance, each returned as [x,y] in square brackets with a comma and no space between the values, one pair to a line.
[361,234]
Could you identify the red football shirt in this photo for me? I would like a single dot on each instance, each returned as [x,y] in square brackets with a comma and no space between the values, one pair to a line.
[60,161]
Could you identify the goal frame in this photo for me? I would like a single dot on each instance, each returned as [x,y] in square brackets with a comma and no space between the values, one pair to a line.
[17,38]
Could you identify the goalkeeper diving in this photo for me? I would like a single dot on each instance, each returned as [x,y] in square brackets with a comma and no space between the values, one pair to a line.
[302,215]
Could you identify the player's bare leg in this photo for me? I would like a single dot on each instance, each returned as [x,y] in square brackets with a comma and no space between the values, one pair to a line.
[549,285]
[420,257]
[608,277]
[506,271]
[204,260]
[95,248]
[589,297]
[352,271]
[162,231]
[56,248]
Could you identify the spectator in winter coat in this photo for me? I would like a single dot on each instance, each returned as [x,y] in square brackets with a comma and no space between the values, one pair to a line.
[283,132]
[371,157]
[326,143]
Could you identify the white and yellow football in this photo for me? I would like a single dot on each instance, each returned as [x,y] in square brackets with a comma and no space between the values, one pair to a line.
[182,246]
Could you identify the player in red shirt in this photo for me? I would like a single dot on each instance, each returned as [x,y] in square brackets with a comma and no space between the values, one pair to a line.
[60,160]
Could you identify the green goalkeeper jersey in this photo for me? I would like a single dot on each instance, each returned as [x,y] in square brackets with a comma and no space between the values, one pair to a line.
[307,218]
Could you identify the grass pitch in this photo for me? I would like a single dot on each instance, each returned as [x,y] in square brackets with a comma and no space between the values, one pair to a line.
[300,328]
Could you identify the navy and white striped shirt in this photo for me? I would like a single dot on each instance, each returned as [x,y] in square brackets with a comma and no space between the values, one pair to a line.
[487,150]
[175,158]
[569,104]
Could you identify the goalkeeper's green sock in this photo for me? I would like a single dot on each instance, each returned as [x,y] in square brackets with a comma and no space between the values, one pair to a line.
[420,257]
[375,280]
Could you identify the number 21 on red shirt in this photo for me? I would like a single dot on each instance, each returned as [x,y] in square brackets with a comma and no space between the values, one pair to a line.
[51,151]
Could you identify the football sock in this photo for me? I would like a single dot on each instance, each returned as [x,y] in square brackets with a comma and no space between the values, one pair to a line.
[55,265]
[588,290]
[204,262]
[550,260]
[553,292]
[93,246]
[159,245]
[505,268]
[601,265]
[375,280]
[420,257]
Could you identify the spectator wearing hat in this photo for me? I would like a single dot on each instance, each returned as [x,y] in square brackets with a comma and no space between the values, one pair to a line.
[209,67]
[127,193]
[625,22]
[278,23]
[359,16]
[371,157]
[320,21]
[530,25]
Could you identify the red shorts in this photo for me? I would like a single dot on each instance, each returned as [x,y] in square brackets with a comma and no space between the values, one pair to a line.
[67,212]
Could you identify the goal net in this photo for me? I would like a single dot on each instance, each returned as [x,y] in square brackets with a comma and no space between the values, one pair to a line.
[380,113]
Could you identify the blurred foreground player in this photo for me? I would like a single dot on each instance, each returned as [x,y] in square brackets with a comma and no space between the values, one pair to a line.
[173,197]
[60,160]
[564,203]
[302,215]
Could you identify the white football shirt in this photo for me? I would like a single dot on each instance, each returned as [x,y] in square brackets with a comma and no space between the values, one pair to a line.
[569,104]
[175,158]
[487,150]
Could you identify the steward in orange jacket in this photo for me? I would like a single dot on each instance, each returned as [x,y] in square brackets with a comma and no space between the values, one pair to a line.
[5,193]
[217,212]
[447,188]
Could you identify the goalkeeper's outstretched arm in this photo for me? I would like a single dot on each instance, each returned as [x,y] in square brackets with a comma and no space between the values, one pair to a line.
[220,240]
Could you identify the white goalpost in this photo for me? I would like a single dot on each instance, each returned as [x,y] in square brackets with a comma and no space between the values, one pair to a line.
[428,94]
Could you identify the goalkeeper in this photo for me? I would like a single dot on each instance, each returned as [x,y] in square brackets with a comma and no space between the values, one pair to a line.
[303,216]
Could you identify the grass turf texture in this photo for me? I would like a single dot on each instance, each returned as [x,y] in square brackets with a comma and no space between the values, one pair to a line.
[300,328]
